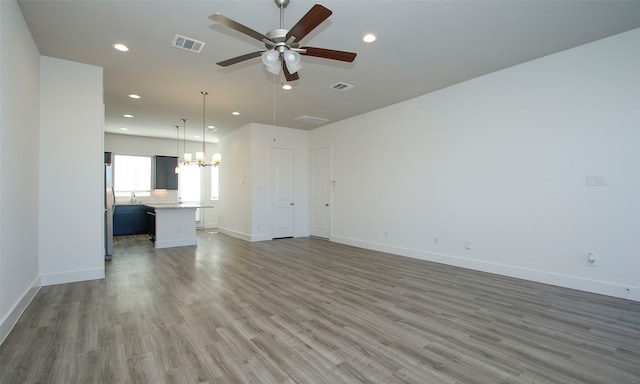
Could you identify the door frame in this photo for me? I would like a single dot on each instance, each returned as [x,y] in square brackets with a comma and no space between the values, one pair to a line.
[292,190]
[329,173]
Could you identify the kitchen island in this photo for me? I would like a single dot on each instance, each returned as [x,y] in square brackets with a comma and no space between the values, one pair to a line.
[175,224]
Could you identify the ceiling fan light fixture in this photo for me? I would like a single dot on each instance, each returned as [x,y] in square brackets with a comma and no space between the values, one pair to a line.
[285,43]
[270,57]
[292,60]
[275,69]
[271,60]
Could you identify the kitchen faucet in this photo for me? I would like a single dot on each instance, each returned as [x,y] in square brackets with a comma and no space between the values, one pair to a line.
[133,197]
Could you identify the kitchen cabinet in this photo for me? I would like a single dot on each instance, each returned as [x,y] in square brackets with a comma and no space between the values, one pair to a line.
[130,220]
[165,175]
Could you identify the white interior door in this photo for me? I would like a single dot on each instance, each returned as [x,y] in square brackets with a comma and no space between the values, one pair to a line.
[320,192]
[283,192]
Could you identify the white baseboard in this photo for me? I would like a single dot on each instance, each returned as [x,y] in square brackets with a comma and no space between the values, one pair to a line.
[261,237]
[236,234]
[8,322]
[255,237]
[72,276]
[566,281]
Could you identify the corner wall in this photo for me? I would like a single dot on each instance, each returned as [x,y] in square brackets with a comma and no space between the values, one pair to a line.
[236,184]
[245,178]
[71,193]
[498,164]
[19,157]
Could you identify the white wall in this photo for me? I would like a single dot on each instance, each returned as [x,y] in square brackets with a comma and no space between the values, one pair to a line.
[71,195]
[501,162]
[147,146]
[236,184]
[245,179]
[141,146]
[19,121]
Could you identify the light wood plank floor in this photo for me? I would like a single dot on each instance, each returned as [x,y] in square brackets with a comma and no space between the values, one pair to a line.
[310,311]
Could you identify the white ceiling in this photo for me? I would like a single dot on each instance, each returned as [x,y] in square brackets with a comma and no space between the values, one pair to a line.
[422,46]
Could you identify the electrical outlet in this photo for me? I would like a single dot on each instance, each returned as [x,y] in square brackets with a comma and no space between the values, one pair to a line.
[467,244]
[435,240]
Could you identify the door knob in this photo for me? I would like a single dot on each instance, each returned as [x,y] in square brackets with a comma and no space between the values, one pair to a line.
[326,205]
[293,203]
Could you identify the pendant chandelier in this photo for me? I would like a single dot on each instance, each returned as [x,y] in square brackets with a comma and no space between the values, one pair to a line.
[177,170]
[200,156]
[186,159]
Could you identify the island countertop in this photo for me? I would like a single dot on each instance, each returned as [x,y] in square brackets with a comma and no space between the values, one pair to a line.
[177,206]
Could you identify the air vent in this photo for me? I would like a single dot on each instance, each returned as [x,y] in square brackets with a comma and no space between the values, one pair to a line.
[311,119]
[188,44]
[342,86]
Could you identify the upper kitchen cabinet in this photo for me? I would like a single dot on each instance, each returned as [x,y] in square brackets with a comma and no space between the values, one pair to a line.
[165,175]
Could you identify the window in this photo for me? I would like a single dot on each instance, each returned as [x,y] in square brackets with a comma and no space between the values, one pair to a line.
[189,184]
[215,186]
[132,174]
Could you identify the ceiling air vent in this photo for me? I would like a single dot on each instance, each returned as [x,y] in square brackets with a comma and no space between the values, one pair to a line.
[188,44]
[342,86]
[311,119]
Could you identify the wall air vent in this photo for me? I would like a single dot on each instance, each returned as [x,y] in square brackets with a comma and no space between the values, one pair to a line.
[187,44]
[311,119]
[342,86]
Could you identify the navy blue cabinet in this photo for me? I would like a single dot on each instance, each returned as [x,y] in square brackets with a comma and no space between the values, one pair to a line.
[130,220]
[165,172]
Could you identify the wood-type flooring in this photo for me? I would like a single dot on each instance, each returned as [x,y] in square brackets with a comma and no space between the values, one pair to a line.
[307,310]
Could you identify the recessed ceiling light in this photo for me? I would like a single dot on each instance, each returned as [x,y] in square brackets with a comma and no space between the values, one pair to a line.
[196,137]
[369,38]
[121,47]
[124,129]
[235,113]
[211,126]
[133,96]
[286,86]
[129,116]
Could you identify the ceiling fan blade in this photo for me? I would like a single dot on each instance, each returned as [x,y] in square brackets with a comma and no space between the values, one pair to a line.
[218,18]
[287,75]
[329,54]
[239,59]
[316,15]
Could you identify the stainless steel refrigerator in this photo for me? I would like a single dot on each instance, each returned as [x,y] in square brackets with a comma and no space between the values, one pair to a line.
[109,205]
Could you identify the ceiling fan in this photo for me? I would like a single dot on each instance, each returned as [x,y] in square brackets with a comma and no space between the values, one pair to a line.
[283,46]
